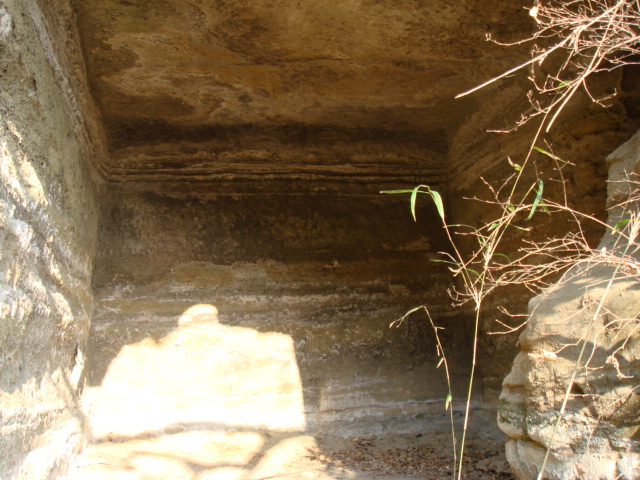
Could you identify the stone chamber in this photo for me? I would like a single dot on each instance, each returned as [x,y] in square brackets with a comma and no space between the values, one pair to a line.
[194,242]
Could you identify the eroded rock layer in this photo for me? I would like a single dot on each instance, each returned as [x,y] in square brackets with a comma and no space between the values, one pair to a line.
[208,88]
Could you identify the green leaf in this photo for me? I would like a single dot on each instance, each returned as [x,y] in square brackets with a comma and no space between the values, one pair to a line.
[414,195]
[396,191]
[502,255]
[447,402]
[438,260]
[551,155]
[544,207]
[437,199]
[459,225]
[472,271]
[426,189]
[536,201]
[544,152]
[620,224]
[493,226]
[514,165]
[511,208]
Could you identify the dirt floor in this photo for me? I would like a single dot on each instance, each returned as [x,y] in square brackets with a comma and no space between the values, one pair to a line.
[251,455]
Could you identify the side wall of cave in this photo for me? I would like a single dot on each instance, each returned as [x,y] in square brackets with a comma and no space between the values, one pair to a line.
[48,227]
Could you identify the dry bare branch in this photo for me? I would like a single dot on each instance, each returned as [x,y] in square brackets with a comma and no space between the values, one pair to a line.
[578,38]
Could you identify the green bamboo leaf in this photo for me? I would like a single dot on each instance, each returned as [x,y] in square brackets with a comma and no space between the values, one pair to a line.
[493,226]
[511,208]
[437,199]
[620,224]
[414,195]
[544,152]
[516,167]
[527,229]
[447,402]
[397,191]
[459,225]
[544,207]
[536,201]
[552,156]
[438,260]
[472,271]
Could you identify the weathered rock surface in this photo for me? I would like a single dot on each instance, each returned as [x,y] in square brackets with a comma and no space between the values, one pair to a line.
[582,341]
[48,228]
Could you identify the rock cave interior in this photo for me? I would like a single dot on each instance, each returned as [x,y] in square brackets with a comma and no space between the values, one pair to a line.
[194,241]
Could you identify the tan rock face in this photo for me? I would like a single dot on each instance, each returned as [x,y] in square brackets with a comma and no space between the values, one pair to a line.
[48,231]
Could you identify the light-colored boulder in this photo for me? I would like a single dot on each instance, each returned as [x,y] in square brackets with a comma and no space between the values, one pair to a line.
[582,342]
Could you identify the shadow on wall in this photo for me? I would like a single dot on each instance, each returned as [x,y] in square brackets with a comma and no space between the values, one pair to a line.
[206,399]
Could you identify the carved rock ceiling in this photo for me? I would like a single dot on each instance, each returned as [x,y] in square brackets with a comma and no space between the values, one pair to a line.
[366,88]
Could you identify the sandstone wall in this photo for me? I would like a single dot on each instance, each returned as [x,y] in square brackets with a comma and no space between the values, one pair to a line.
[48,223]
[268,311]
